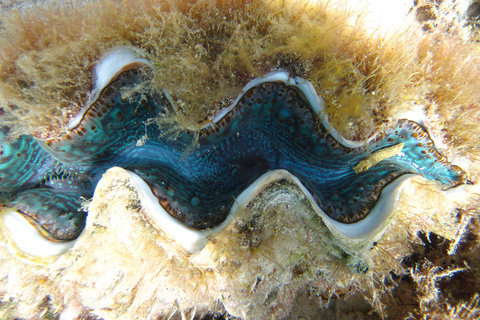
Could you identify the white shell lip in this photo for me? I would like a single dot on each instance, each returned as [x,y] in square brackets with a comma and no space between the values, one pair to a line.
[195,240]
[27,239]
[374,223]
[307,89]
[379,216]
[110,67]
[190,239]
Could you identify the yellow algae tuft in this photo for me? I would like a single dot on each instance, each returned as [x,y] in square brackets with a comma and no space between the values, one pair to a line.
[378,156]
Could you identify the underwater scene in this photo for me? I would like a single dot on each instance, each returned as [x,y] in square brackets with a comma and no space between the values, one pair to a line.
[226,159]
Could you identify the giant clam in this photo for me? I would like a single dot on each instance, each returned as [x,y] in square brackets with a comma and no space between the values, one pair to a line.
[272,129]
[248,208]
